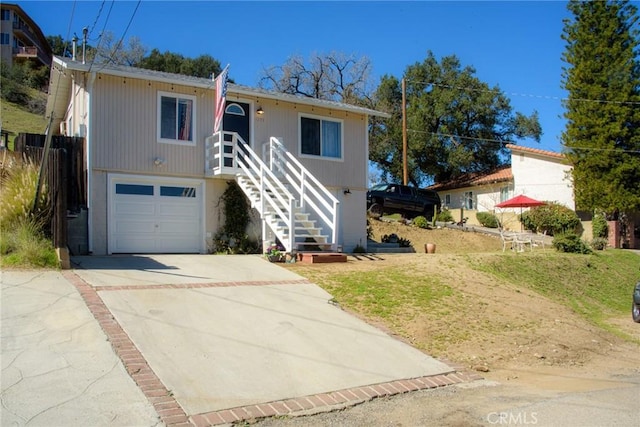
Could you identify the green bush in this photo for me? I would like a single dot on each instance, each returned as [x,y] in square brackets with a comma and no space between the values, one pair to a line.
[553,218]
[359,249]
[599,226]
[487,219]
[421,222]
[24,245]
[19,181]
[444,216]
[599,243]
[571,243]
[233,238]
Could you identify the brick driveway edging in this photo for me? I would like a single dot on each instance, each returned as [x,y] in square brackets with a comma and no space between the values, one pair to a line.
[172,414]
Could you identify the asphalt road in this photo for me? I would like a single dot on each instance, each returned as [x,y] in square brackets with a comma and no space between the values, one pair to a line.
[607,402]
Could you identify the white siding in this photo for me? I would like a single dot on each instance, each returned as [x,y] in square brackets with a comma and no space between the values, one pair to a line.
[124,140]
[542,178]
[281,119]
[353,226]
[125,128]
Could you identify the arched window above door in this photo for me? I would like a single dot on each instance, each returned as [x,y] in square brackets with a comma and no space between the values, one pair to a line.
[235,109]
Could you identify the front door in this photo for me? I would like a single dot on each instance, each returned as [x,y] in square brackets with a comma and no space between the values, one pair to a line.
[236,119]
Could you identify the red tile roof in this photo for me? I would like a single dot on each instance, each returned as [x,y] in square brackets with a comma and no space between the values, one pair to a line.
[500,174]
[520,148]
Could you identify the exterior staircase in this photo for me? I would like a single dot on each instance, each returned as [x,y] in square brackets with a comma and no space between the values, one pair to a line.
[295,208]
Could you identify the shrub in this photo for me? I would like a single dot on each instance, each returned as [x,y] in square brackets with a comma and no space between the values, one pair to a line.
[421,222]
[359,249]
[599,226]
[390,238]
[571,243]
[444,216]
[553,218]
[487,219]
[599,243]
[233,238]
[404,243]
[19,180]
[24,245]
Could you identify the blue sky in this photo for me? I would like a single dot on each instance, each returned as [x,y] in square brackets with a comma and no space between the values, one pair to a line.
[516,45]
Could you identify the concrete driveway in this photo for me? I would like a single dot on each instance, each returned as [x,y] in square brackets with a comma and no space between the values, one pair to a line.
[215,339]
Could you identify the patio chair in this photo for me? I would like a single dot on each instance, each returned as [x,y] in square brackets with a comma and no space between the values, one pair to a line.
[509,238]
[521,242]
[539,238]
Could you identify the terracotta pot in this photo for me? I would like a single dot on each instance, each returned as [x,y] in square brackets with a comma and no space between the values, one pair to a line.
[429,248]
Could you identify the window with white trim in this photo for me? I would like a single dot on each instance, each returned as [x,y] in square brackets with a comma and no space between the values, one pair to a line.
[504,193]
[320,137]
[176,118]
[468,200]
[447,199]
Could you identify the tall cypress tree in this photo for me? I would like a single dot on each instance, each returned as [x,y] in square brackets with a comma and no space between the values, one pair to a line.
[602,76]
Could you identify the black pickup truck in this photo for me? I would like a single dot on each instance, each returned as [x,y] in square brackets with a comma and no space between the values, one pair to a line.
[396,198]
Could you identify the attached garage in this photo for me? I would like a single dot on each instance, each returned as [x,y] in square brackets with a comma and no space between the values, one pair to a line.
[155,215]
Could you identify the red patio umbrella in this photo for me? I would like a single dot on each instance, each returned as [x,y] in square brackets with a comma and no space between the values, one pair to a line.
[520,201]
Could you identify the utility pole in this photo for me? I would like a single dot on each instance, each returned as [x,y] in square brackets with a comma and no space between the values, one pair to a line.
[405,172]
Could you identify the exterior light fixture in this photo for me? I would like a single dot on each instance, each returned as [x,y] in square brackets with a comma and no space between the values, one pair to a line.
[260,111]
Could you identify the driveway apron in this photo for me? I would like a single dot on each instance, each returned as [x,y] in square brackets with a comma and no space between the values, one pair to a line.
[215,339]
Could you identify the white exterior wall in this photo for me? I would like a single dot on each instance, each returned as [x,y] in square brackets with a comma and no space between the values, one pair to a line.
[353,228]
[485,197]
[282,120]
[542,178]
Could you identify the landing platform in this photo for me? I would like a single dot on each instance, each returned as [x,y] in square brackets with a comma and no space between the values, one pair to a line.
[321,257]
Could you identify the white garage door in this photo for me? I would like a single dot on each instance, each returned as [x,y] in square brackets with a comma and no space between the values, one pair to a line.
[155,216]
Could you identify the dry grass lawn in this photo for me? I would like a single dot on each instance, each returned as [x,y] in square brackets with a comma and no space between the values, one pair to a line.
[445,305]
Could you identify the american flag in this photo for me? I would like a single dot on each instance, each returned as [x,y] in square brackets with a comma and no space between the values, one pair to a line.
[221,96]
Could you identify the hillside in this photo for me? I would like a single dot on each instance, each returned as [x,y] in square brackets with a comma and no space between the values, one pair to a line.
[18,119]
[472,303]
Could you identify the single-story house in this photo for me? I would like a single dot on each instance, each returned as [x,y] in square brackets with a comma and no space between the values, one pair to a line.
[156,170]
[540,174]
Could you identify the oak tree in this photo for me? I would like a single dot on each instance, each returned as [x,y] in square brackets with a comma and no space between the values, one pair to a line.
[455,123]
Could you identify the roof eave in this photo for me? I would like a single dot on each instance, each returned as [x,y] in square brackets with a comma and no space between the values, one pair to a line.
[208,84]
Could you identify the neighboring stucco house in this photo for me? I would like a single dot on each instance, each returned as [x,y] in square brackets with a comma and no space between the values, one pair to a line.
[539,174]
[156,171]
[21,38]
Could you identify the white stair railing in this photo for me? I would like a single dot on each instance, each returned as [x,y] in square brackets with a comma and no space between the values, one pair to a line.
[277,189]
[230,155]
[310,194]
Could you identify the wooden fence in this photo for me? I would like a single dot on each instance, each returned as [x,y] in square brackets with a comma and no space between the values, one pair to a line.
[65,178]
[55,178]
[74,158]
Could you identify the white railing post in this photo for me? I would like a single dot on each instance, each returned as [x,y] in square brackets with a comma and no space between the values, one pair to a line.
[301,188]
[292,223]
[336,226]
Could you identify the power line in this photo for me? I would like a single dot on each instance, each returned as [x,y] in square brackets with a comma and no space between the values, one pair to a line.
[119,44]
[547,97]
[101,34]
[503,142]
[97,17]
